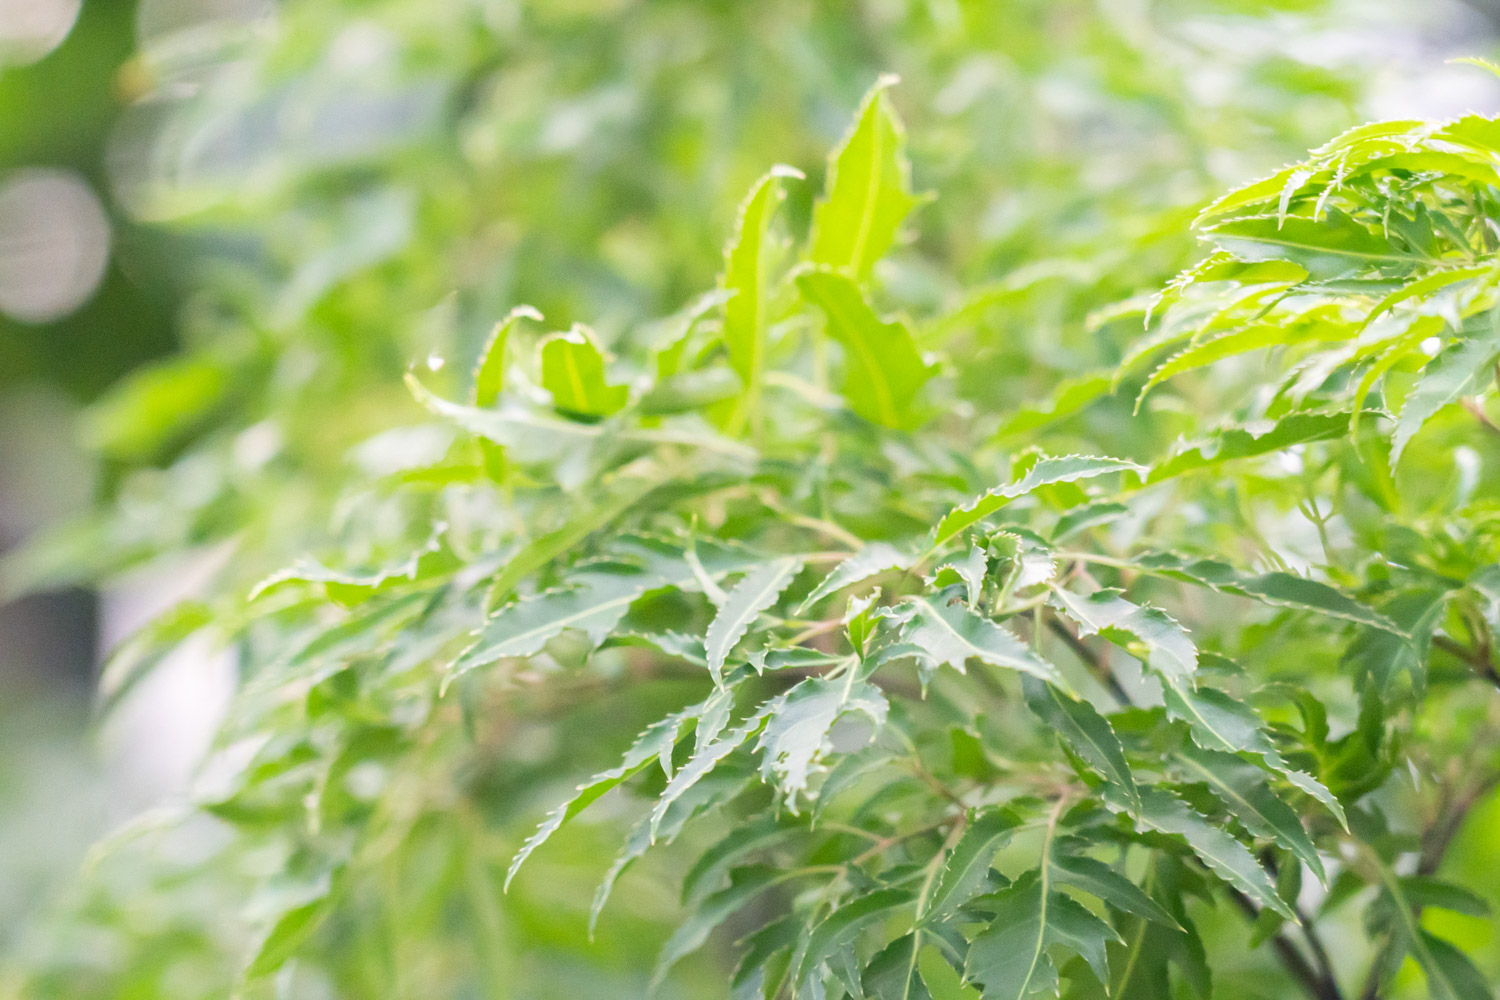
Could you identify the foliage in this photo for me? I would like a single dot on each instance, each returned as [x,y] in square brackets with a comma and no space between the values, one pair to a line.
[929,687]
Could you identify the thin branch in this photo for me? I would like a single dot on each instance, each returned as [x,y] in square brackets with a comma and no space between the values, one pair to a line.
[1481,661]
[1091,659]
[1313,984]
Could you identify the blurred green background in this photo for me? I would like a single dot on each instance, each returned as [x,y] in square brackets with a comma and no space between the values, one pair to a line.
[270,210]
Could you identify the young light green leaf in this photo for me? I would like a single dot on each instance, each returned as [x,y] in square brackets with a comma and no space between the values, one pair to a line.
[745,276]
[869,189]
[573,372]
[1067,469]
[883,368]
[1334,247]
[755,593]
[950,634]
[489,372]
[1463,369]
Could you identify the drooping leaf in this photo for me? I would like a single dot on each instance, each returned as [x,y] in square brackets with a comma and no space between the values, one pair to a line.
[1464,368]
[1243,789]
[745,884]
[1146,632]
[797,735]
[1333,247]
[755,593]
[653,743]
[845,923]
[1107,885]
[1086,732]
[1228,858]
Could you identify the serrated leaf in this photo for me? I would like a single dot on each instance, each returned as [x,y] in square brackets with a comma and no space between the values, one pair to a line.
[1048,471]
[708,871]
[1220,723]
[1228,858]
[846,923]
[1249,440]
[755,593]
[573,372]
[883,368]
[708,757]
[950,634]
[1148,633]
[894,973]
[745,276]
[593,601]
[869,189]
[1450,975]
[1011,959]
[1087,732]
[877,557]
[964,872]
[1462,369]
[1278,589]
[1243,789]
[745,884]
[489,370]
[1107,885]
[650,745]
[1333,247]
[797,734]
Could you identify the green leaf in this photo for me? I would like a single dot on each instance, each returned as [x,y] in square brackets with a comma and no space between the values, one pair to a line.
[755,593]
[1219,723]
[1067,469]
[1243,789]
[1107,885]
[654,743]
[706,758]
[877,557]
[301,909]
[573,372]
[1086,732]
[489,372]
[745,276]
[869,189]
[965,871]
[1335,247]
[1450,975]
[1228,858]
[883,368]
[1463,369]
[846,923]
[1069,397]
[942,633]
[1147,633]
[707,873]
[1010,959]
[594,600]
[797,735]
[894,973]
[1278,589]
[1249,440]
[745,885]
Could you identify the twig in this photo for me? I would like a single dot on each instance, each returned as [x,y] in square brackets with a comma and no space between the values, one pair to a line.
[1092,660]
[1313,984]
[1483,663]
